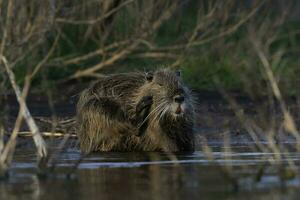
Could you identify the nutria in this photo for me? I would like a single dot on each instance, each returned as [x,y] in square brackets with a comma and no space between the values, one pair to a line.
[136,112]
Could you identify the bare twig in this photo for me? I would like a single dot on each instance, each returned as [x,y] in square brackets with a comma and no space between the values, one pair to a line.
[6,154]
[7,24]
[38,139]
[98,52]
[108,62]
[135,42]
[289,122]
[45,134]
[1,138]
[228,31]
[97,20]
[46,58]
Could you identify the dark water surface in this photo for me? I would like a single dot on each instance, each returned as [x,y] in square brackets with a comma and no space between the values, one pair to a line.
[150,176]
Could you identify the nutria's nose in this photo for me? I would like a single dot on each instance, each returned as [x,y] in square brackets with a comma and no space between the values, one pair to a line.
[179,99]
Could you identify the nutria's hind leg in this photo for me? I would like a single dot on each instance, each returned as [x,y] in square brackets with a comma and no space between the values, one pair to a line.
[142,112]
[102,124]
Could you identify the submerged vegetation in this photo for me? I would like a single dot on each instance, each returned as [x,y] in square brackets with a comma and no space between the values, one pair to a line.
[237,48]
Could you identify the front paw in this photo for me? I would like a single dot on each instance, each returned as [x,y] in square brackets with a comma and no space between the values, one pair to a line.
[144,103]
[142,114]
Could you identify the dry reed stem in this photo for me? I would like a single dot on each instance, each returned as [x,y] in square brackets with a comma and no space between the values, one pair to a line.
[193,41]
[98,52]
[242,118]
[117,56]
[46,58]
[1,138]
[45,134]
[253,130]
[128,46]
[6,25]
[8,150]
[53,157]
[288,122]
[127,50]
[228,31]
[226,171]
[97,20]
[37,137]
[227,151]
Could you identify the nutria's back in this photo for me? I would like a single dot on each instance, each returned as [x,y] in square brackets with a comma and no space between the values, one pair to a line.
[119,86]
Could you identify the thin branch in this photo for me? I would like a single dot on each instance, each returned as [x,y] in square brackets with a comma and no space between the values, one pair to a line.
[7,23]
[1,138]
[122,53]
[25,54]
[108,62]
[155,55]
[98,52]
[214,37]
[93,21]
[37,137]
[9,148]
[46,58]
[46,134]
[289,122]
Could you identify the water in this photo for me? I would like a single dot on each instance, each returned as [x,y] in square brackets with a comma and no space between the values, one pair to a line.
[150,176]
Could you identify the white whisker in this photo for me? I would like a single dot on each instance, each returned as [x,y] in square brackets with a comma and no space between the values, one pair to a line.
[159,112]
[152,112]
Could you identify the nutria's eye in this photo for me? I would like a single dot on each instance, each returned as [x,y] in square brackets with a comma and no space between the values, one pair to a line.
[149,76]
[178,73]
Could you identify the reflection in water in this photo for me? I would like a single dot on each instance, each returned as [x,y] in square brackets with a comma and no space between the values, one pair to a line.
[147,181]
[145,176]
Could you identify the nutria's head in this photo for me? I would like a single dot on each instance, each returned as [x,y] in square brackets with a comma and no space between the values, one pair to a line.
[170,96]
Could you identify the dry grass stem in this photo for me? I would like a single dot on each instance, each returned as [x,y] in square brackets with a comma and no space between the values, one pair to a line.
[8,150]
[288,122]
[37,137]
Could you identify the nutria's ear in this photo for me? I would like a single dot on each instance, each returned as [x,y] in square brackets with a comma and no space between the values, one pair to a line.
[149,76]
[178,73]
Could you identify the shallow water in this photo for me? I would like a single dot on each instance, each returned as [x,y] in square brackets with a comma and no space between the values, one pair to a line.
[150,176]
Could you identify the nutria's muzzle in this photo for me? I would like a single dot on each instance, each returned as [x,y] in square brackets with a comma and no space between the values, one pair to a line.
[178,110]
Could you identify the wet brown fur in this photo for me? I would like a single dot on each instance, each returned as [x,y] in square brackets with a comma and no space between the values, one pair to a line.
[106,114]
